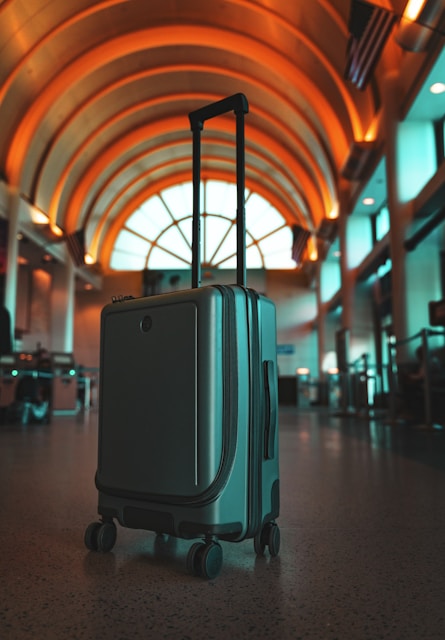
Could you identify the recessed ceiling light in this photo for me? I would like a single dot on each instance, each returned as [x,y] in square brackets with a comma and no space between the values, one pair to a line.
[438,87]
[368,201]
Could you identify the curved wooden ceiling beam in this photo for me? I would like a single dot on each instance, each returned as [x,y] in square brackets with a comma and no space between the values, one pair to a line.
[163,36]
[315,49]
[157,129]
[150,175]
[274,194]
[322,168]
[316,177]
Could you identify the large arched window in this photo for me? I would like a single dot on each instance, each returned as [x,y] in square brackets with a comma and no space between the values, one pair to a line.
[158,235]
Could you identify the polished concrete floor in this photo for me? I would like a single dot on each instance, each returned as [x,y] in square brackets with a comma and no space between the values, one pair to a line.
[362,555]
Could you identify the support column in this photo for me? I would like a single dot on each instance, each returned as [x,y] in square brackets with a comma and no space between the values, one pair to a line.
[321,319]
[62,307]
[398,213]
[11,259]
[347,275]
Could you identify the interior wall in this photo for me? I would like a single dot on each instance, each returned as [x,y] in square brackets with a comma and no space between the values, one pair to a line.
[423,284]
[362,333]
[33,317]
[296,306]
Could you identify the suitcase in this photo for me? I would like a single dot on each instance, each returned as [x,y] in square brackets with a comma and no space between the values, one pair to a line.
[188,421]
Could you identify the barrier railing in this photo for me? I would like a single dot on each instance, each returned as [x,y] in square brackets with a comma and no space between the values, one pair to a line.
[362,388]
[427,381]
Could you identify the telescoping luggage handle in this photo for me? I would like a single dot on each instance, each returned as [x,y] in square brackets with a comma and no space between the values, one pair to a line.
[237,103]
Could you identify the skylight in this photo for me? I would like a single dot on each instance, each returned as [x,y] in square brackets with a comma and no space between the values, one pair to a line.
[158,235]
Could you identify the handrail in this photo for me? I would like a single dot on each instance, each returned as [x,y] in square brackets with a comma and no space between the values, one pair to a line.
[423,334]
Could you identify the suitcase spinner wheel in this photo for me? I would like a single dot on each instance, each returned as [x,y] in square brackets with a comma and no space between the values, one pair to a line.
[269,537]
[100,536]
[205,559]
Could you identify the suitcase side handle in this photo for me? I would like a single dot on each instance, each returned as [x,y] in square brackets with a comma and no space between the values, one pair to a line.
[270,427]
[237,103]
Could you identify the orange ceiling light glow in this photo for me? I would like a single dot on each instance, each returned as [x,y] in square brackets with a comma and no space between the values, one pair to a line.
[56,230]
[302,38]
[38,217]
[96,104]
[157,73]
[312,249]
[413,9]
[157,37]
[266,185]
[77,198]
[29,50]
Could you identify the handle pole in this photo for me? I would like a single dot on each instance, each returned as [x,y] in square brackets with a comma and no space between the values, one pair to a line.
[196,222]
[240,210]
[237,103]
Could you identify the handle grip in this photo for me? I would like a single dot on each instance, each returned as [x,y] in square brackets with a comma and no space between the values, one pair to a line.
[237,103]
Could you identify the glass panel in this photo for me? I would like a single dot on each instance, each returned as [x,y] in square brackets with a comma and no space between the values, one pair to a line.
[279,261]
[382,223]
[227,249]
[150,218]
[124,261]
[127,241]
[172,240]
[153,221]
[261,217]
[179,199]
[254,258]
[160,259]
[186,229]
[221,198]
[215,230]
[277,249]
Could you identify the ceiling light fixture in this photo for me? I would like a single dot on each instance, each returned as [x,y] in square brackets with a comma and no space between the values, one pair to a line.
[418,22]
[38,217]
[437,88]
[56,230]
[312,249]
[413,9]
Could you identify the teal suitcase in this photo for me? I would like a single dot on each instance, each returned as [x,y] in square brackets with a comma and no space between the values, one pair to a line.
[188,421]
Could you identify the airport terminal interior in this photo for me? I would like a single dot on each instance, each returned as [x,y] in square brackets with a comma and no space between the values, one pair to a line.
[343,173]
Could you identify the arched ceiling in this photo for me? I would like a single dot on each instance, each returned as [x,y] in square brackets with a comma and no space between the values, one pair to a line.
[96,97]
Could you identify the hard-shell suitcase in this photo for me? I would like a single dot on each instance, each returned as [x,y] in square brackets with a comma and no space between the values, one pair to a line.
[188,424]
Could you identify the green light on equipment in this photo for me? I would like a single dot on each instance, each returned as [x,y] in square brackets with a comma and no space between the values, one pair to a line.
[72,372]
[14,373]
